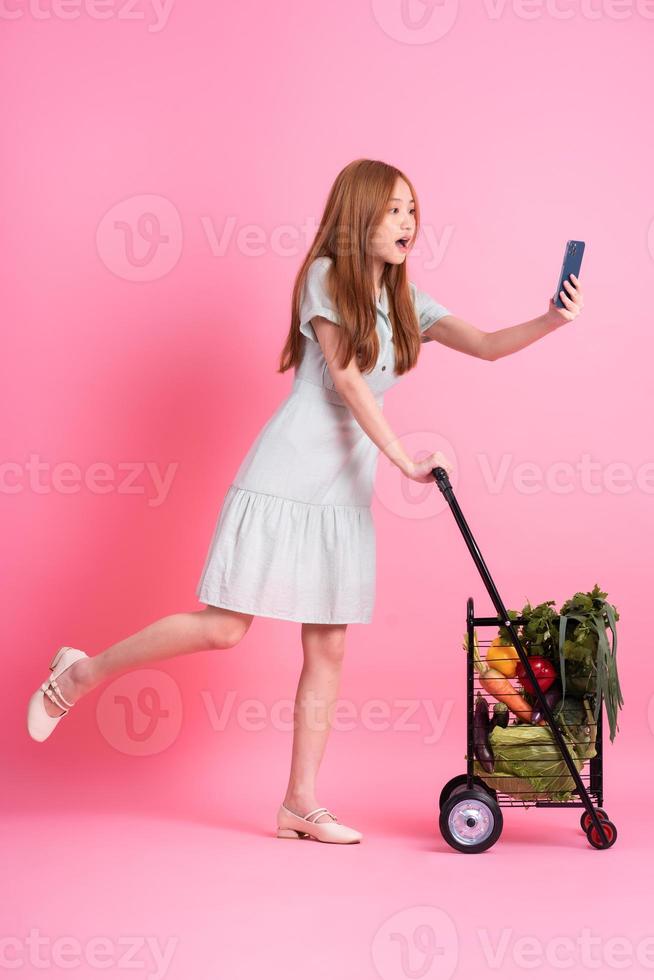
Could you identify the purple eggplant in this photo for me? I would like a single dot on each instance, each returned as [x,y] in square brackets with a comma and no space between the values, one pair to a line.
[552,696]
[481,731]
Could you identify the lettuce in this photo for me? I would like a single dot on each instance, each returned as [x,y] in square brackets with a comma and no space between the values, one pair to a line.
[528,762]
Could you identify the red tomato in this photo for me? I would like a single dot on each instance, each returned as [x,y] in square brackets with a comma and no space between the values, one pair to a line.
[544,671]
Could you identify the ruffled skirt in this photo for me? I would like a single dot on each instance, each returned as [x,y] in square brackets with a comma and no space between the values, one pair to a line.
[283,558]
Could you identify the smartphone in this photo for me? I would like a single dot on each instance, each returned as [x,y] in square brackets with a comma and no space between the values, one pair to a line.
[574,253]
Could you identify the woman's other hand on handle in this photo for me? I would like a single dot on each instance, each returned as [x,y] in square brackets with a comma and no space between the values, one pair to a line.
[421,470]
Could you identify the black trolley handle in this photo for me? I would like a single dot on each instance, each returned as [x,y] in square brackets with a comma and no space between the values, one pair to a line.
[444,485]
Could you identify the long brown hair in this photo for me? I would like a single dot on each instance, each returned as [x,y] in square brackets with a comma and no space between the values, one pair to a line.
[356,205]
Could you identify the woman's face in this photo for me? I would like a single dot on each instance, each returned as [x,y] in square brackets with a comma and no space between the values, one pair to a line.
[393,237]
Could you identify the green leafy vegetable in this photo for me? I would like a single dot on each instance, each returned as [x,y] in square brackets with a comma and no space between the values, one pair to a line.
[576,643]
[536,634]
[587,663]
[528,762]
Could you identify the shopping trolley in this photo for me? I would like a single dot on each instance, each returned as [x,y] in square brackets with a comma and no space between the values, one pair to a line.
[470,805]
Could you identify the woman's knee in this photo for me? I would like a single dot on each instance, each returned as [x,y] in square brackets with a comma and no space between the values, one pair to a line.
[324,642]
[225,627]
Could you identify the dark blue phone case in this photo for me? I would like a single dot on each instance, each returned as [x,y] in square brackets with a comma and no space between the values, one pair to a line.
[574,253]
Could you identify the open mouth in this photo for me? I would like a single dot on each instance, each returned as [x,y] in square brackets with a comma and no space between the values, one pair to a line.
[403,244]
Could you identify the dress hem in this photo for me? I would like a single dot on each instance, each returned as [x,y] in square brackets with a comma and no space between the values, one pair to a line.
[202,597]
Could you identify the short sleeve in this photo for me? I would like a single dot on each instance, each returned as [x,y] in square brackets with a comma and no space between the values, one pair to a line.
[315,300]
[428,310]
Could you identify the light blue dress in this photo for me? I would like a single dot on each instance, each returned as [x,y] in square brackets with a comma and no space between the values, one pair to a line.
[295,538]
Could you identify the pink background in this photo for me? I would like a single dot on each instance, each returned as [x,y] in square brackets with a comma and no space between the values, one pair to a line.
[521,127]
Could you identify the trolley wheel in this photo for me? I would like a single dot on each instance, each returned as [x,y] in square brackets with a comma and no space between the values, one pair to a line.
[611,832]
[586,821]
[456,782]
[471,820]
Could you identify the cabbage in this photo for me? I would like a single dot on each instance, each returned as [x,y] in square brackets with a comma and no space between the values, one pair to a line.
[528,762]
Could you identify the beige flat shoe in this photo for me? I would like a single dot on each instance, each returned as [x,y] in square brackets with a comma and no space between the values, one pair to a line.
[40,724]
[291,825]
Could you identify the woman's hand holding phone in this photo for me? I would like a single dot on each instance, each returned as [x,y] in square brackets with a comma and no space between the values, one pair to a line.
[573,301]
[567,303]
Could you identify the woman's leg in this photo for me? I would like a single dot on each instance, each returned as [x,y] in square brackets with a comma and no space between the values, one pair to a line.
[211,628]
[324,648]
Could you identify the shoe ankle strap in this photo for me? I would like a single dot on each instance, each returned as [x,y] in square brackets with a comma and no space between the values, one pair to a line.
[318,811]
[53,691]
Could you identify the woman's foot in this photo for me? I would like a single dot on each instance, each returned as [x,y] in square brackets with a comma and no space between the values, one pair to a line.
[305,804]
[318,823]
[52,701]
[73,683]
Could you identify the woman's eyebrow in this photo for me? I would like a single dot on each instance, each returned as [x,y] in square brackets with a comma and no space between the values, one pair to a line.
[399,199]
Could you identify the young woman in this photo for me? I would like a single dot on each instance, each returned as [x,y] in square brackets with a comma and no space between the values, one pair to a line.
[294,538]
